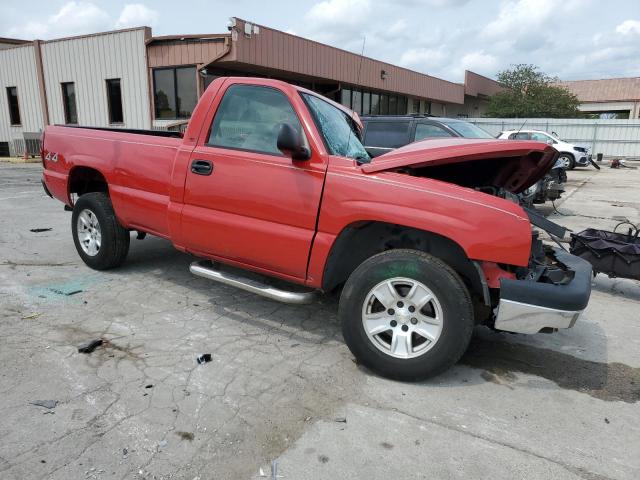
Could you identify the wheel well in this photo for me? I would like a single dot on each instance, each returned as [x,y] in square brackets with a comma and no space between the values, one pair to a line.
[361,240]
[568,154]
[85,179]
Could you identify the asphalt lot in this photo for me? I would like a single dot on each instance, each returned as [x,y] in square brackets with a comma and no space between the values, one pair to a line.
[282,385]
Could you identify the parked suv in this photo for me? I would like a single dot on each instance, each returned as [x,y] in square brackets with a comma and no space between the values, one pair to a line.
[571,155]
[385,133]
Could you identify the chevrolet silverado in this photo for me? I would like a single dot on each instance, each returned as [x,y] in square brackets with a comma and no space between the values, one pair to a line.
[422,243]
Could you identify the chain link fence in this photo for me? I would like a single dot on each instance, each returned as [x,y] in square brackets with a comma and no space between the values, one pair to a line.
[612,138]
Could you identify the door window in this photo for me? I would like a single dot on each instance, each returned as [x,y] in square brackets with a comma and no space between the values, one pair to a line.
[387,134]
[428,130]
[520,136]
[249,118]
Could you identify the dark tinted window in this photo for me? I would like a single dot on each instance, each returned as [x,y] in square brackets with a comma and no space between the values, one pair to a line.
[14,108]
[375,104]
[387,134]
[69,103]
[356,102]
[175,92]
[520,136]
[114,99]
[187,91]
[384,105]
[426,130]
[467,129]
[345,97]
[249,118]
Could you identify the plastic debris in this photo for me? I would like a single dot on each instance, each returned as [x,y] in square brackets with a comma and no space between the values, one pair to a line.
[204,358]
[90,346]
[45,403]
[38,230]
[341,420]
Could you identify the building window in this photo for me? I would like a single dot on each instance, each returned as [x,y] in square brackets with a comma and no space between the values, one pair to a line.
[375,104]
[356,101]
[69,102]
[175,92]
[366,103]
[14,108]
[114,100]
[345,97]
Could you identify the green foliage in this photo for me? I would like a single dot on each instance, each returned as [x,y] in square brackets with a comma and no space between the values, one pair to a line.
[530,93]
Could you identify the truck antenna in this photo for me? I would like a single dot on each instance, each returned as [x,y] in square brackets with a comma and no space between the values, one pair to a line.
[521,126]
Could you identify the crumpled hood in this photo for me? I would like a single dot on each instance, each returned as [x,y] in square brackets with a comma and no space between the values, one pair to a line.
[513,165]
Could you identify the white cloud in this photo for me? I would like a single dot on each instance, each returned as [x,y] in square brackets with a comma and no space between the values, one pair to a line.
[78,18]
[629,27]
[337,14]
[136,15]
[73,18]
[480,62]
[515,15]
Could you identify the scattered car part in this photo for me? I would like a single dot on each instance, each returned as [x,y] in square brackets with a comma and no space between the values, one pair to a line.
[204,358]
[90,346]
[50,404]
[612,253]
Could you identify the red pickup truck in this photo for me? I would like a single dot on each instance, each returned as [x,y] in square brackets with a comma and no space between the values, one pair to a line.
[423,243]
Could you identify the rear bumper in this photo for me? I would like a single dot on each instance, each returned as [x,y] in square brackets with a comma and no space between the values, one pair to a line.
[527,307]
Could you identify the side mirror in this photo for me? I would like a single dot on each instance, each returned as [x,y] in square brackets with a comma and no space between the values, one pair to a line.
[290,143]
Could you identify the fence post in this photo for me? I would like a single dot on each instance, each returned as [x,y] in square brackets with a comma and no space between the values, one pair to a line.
[595,138]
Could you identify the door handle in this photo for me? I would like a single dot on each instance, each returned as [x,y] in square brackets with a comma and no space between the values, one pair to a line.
[201,167]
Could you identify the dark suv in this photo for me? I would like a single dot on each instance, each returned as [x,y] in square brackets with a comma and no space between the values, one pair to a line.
[384,133]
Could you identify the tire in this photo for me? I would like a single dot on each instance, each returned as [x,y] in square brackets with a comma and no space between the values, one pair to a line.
[100,240]
[571,161]
[452,304]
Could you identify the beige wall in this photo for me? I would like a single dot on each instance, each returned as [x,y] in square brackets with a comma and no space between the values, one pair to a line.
[88,62]
[19,70]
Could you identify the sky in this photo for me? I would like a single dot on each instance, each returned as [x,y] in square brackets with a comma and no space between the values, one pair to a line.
[569,39]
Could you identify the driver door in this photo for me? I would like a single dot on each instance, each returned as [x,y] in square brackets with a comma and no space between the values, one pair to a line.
[245,202]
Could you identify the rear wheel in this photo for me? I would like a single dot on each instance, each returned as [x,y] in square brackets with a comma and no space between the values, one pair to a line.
[406,315]
[100,240]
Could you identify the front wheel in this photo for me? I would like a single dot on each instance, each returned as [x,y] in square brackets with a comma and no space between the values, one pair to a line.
[100,240]
[406,315]
[567,160]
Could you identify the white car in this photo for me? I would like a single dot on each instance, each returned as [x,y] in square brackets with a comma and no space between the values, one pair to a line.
[570,155]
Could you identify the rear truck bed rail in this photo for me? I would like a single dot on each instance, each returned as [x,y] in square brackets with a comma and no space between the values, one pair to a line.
[527,306]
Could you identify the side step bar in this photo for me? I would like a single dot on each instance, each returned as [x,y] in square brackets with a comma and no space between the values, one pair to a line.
[203,268]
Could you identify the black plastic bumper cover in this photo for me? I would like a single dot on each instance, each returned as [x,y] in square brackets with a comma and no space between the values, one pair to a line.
[573,296]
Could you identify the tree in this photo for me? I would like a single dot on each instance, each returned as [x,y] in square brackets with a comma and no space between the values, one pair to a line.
[530,93]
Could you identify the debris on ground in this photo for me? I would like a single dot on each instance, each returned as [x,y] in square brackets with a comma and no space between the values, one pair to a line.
[204,358]
[45,403]
[90,346]
[39,230]
[149,386]
[31,316]
[62,292]
[341,420]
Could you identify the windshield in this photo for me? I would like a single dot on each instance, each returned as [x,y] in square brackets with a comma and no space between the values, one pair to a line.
[339,131]
[468,130]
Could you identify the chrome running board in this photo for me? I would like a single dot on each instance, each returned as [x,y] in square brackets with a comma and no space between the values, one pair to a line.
[203,268]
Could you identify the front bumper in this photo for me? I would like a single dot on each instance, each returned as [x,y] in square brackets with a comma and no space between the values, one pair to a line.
[583,158]
[527,306]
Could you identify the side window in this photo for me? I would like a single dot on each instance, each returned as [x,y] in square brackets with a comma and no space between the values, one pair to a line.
[520,136]
[387,134]
[249,118]
[540,137]
[427,130]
